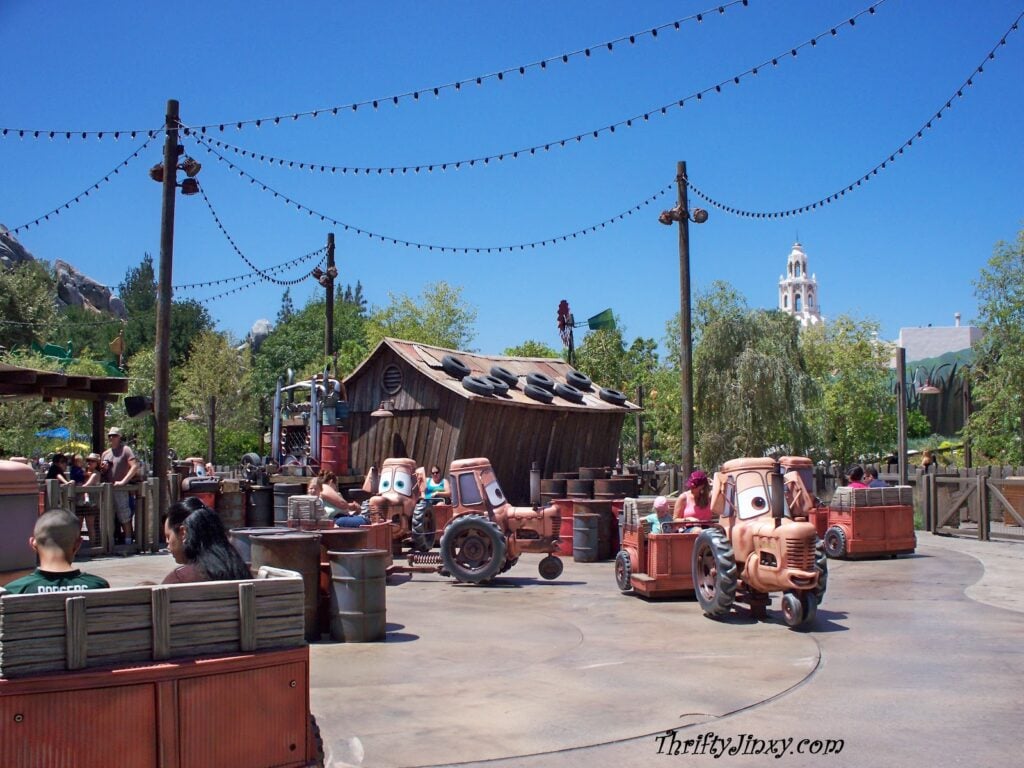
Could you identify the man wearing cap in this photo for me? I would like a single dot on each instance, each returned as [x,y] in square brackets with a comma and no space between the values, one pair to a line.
[121,466]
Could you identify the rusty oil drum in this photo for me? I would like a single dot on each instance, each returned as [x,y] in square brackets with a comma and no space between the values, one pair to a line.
[296,551]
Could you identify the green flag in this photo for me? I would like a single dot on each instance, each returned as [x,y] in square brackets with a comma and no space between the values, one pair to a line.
[602,321]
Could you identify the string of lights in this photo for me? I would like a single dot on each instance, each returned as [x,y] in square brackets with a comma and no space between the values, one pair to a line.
[90,189]
[528,151]
[253,284]
[413,96]
[263,274]
[429,246]
[919,134]
[236,278]
[44,324]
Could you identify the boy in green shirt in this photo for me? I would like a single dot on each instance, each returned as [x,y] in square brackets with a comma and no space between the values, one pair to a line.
[56,538]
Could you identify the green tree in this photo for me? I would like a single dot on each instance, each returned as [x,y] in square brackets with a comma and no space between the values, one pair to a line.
[997,378]
[854,407]
[28,308]
[284,314]
[605,358]
[531,348]
[215,369]
[751,387]
[439,316]
[188,318]
[89,334]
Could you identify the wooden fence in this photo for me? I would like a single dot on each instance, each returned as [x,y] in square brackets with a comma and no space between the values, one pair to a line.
[95,505]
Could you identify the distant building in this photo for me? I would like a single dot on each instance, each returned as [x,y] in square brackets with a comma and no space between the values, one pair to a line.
[935,341]
[798,290]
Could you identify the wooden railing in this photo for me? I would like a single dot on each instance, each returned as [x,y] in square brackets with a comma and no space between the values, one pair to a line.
[100,518]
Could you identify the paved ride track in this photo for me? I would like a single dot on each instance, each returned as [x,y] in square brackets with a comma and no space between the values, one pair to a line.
[901,665]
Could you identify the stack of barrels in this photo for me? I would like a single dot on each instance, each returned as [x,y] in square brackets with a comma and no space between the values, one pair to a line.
[589,502]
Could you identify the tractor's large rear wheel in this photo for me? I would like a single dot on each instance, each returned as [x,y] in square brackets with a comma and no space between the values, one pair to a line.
[473,549]
[714,573]
[423,526]
[821,563]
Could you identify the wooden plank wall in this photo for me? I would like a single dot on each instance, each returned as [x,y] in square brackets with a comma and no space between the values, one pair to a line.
[436,425]
[427,417]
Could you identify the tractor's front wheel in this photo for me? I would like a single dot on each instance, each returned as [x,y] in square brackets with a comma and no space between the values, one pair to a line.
[792,609]
[550,567]
[473,549]
[714,572]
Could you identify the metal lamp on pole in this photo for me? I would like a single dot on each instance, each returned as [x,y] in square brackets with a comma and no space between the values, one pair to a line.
[166,173]
[683,215]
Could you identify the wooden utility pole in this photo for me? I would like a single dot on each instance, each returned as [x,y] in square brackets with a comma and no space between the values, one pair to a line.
[901,414]
[162,377]
[685,332]
[329,285]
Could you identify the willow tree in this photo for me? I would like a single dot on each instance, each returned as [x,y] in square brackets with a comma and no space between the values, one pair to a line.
[751,386]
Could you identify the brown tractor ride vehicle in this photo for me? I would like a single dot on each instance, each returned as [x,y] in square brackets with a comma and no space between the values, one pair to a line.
[484,535]
[762,544]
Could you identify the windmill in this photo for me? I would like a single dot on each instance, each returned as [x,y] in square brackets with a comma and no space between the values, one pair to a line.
[604,320]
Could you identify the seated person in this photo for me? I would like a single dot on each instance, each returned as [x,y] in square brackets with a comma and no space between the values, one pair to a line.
[661,514]
[856,476]
[56,539]
[346,514]
[196,540]
[694,506]
[871,475]
[436,486]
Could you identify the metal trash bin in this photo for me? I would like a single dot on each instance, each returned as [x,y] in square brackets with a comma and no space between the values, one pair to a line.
[19,502]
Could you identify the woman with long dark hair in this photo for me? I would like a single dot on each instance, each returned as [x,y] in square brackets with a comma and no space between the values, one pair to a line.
[196,539]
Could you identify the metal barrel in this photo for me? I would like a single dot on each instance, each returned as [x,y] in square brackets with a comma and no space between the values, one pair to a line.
[260,512]
[295,551]
[593,473]
[565,534]
[579,489]
[358,595]
[241,539]
[603,510]
[282,491]
[231,509]
[584,537]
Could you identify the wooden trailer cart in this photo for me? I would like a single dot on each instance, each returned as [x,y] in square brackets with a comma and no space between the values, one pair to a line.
[175,676]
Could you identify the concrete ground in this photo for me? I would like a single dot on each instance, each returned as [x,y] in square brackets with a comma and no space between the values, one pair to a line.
[911,662]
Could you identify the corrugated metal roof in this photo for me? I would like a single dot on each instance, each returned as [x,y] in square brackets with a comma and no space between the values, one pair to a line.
[427,359]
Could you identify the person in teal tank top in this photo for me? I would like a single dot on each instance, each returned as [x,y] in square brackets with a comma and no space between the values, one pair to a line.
[56,538]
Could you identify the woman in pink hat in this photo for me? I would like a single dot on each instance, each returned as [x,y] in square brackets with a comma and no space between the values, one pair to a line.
[695,505]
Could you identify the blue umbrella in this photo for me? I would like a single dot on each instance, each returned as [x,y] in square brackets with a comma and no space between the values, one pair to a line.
[60,433]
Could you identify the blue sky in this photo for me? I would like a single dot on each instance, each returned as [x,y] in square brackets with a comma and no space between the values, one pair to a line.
[903,249]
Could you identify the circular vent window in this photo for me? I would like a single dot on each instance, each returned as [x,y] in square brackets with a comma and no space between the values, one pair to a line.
[391,381]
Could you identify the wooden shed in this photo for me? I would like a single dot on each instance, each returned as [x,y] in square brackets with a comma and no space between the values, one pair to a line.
[436,419]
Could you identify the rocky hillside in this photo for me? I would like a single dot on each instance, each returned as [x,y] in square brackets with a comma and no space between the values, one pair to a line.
[74,289]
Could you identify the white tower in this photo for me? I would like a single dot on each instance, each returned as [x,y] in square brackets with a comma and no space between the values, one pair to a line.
[798,290]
